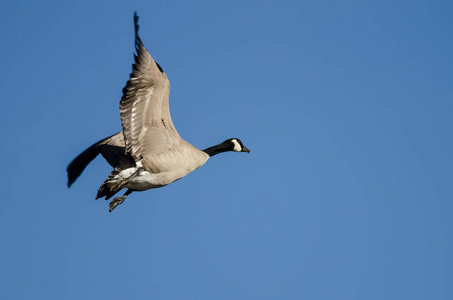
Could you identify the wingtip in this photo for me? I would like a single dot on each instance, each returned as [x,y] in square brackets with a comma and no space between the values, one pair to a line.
[136,27]
[70,181]
[136,22]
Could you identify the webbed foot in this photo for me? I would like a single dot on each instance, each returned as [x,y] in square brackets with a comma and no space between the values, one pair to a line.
[118,200]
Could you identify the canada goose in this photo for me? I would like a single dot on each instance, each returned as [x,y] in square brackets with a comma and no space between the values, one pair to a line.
[148,153]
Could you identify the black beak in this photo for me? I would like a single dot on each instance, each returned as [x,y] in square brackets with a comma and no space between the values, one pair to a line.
[244,149]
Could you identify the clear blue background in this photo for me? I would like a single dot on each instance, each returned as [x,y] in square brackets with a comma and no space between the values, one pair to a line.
[346,106]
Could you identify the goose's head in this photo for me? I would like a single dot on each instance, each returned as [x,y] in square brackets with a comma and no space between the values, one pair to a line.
[236,145]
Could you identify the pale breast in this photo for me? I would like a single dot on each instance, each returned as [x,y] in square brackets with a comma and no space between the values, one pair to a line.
[173,164]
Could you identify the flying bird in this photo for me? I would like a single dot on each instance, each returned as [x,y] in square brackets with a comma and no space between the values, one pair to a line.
[148,153]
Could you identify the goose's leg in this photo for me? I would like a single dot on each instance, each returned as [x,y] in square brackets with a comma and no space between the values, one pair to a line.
[118,200]
[119,185]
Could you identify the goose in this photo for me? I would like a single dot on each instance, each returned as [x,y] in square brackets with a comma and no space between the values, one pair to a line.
[149,153]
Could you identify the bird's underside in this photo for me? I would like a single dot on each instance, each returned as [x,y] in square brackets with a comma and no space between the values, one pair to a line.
[148,173]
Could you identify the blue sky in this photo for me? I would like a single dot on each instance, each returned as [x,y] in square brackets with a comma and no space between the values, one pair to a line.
[346,106]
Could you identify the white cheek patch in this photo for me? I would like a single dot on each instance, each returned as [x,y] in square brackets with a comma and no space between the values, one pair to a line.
[237,147]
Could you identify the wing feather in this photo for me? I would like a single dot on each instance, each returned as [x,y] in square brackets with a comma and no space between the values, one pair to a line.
[112,149]
[145,117]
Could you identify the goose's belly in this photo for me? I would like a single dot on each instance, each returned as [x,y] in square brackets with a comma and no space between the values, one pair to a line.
[164,169]
[146,180]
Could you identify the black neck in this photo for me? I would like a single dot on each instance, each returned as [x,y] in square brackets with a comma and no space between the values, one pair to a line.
[211,151]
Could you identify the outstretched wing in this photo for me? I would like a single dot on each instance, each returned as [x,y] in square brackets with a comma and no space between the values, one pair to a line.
[145,115]
[112,149]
